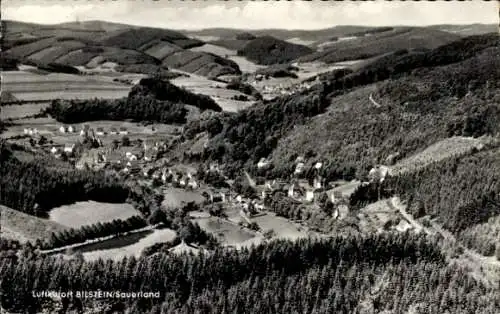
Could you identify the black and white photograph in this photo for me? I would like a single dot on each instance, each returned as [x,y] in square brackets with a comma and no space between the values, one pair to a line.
[249,157]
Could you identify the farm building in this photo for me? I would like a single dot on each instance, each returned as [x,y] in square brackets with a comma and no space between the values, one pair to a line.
[378,173]
[113,131]
[71,129]
[123,131]
[299,168]
[54,150]
[100,131]
[262,163]
[69,148]
[62,129]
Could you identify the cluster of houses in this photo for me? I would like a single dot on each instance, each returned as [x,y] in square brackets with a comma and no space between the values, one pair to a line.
[31,131]
[131,160]
[87,131]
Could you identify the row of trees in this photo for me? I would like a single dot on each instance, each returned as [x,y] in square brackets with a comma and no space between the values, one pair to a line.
[91,232]
[385,272]
[138,108]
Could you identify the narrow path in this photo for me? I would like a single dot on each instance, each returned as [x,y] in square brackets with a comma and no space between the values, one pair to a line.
[376,104]
[483,268]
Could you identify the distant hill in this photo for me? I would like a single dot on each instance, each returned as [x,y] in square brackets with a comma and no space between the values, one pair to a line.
[95,43]
[366,45]
[467,30]
[201,63]
[269,50]
[136,38]
[457,99]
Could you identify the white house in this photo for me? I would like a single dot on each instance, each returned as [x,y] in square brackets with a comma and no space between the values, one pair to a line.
[291,190]
[262,163]
[26,131]
[239,199]
[123,131]
[35,131]
[378,173]
[113,131]
[54,150]
[100,131]
[317,184]
[132,157]
[83,133]
[318,165]
[62,129]
[69,148]
[71,129]
[193,184]
[299,168]
[309,195]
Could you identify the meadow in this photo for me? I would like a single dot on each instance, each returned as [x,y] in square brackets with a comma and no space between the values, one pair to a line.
[177,198]
[21,111]
[90,212]
[227,232]
[22,227]
[29,86]
[281,227]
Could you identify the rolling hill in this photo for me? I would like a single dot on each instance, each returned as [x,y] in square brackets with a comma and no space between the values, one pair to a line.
[94,43]
[365,46]
[269,50]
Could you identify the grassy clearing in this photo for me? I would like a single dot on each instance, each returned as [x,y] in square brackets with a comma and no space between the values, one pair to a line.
[441,150]
[130,245]
[90,212]
[216,50]
[283,228]
[217,91]
[22,227]
[20,111]
[228,233]
[176,198]
[30,86]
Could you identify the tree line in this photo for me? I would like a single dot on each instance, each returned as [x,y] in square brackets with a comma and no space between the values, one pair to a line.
[392,272]
[91,232]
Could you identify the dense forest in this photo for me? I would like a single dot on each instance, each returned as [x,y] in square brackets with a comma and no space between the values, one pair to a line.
[461,191]
[152,100]
[269,50]
[133,108]
[352,135]
[253,133]
[337,275]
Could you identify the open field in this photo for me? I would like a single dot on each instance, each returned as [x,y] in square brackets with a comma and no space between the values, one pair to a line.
[90,212]
[29,86]
[283,228]
[20,111]
[216,50]
[50,129]
[22,227]
[228,233]
[346,189]
[176,197]
[246,65]
[376,216]
[130,245]
[216,90]
[438,151]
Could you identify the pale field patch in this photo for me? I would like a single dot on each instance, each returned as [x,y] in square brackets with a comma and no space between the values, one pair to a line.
[90,212]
